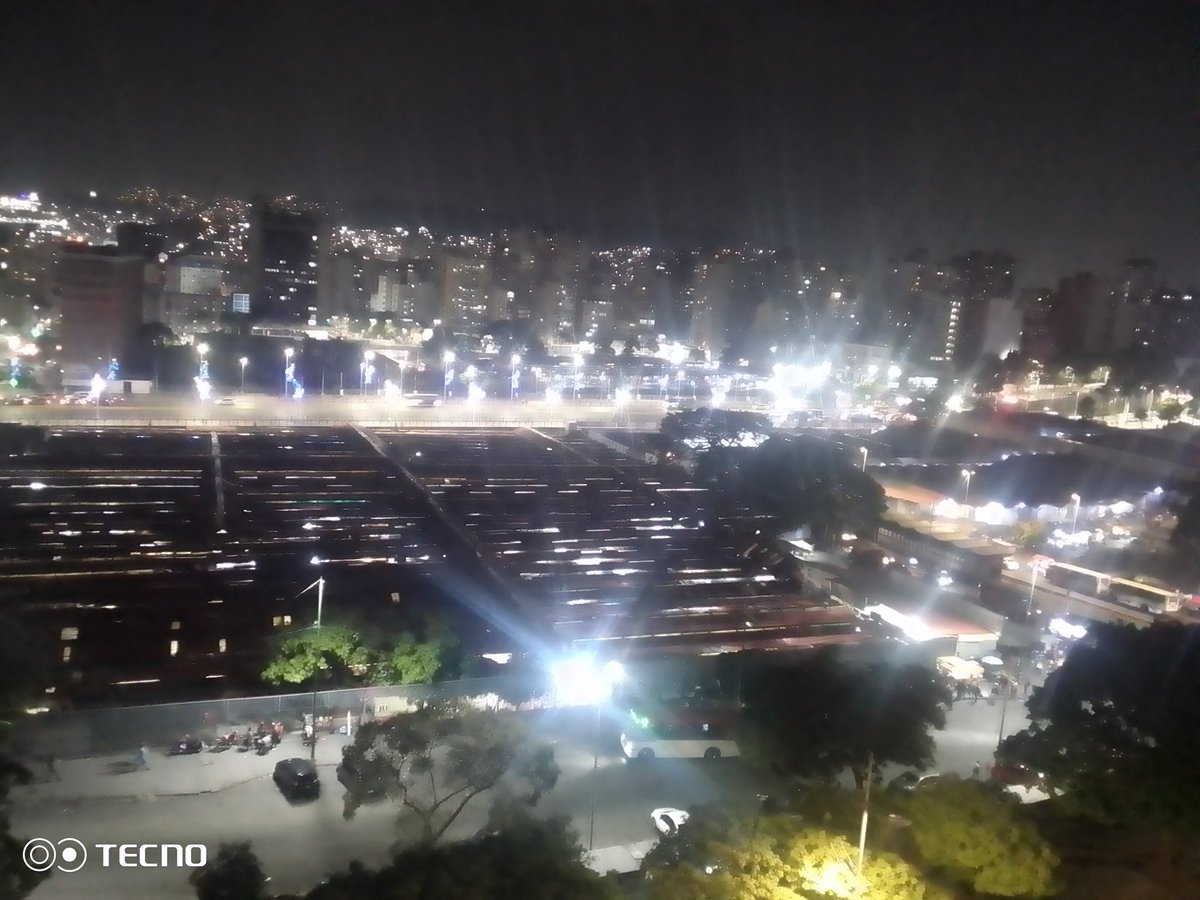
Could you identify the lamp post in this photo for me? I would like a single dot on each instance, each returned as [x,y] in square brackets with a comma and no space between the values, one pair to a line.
[512,383]
[580,680]
[242,362]
[863,451]
[287,367]
[319,584]
[966,474]
[578,360]
[366,371]
[1075,517]
[447,362]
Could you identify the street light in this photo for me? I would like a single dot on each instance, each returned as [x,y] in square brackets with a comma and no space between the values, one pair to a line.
[966,474]
[366,371]
[447,362]
[863,451]
[1075,517]
[243,361]
[512,384]
[319,584]
[579,681]
[578,360]
[287,367]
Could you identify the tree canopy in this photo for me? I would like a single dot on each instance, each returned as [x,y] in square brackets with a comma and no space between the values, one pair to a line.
[799,481]
[532,860]
[352,654]
[821,716]
[704,429]
[979,837]
[774,858]
[1115,728]
[233,874]
[436,761]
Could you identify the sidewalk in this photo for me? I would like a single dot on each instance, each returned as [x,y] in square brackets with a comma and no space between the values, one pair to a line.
[113,777]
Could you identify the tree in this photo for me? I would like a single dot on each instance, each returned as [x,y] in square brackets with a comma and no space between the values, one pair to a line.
[533,860]
[360,652]
[1141,414]
[815,718]
[234,874]
[1114,729]
[1185,536]
[773,857]
[1170,410]
[1087,407]
[802,481]
[979,837]
[436,761]
[1029,535]
[706,429]
[302,655]
[411,661]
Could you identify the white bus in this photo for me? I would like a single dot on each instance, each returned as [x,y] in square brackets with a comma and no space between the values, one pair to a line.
[680,739]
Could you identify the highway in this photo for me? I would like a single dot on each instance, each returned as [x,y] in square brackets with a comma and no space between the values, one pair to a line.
[267,409]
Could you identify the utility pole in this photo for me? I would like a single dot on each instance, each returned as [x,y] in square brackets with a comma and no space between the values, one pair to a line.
[862,834]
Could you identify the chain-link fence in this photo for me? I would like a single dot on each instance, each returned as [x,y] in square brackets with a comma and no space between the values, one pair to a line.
[113,729]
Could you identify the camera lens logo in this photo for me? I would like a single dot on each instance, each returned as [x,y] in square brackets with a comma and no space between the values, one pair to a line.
[40,854]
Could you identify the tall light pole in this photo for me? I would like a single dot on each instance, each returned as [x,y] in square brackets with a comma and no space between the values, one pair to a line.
[966,474]
[1075,517]
[202,349]
[319,584]
[512,384]
[578,360]
[287,367]
[366,371]
[447,372]
[242,362]
[863,451]
[1035,571]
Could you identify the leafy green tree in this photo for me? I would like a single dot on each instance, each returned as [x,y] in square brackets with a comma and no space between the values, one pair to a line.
[411,661]
[703,429]
[774,857]
[1170,410]
[980,838]
[234,874]
[818,717]
[331,649]
[1185,536]
[801,481]
[533,860]
[1115,728]
[438,760]
[1029,535]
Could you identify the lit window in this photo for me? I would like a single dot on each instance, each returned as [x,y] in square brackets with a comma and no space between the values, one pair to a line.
[277,621]
[70,633]
[66,653]
[221,645]
[287,620]
[174,648]
[175,625]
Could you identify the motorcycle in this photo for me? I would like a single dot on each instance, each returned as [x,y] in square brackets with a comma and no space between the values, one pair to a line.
[185,747]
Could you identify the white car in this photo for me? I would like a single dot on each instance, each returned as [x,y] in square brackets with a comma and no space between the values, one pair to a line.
[226,401]
[667,819]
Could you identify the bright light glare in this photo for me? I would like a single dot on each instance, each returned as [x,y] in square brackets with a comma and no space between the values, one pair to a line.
[579,681]
[553,396]
[623,396]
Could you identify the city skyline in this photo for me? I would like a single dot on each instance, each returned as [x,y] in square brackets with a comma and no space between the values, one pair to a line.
[1041,129]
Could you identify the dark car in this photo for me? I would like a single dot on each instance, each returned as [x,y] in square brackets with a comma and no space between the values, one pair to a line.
[297,778]
[351,777]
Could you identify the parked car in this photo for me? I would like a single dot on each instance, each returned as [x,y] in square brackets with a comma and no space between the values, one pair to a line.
[667,819]
[296,778]
[349,775]
[226,401]
[912,781]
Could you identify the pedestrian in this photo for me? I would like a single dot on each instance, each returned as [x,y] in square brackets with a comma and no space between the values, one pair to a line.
[976,769]
[51,771]
[141,761]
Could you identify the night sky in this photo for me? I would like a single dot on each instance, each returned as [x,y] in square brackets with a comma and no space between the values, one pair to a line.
[1062,132]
